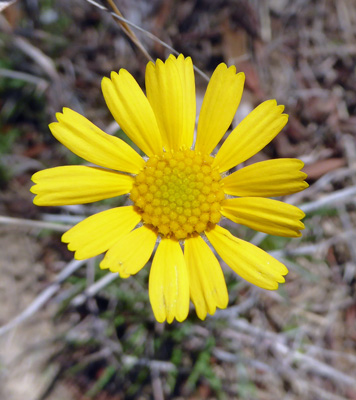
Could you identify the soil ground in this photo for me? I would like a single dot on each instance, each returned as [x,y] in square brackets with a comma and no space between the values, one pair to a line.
[24,349]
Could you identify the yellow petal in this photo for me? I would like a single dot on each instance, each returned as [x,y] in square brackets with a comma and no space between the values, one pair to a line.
[97,233]
[131,253]
[186,71]
[78,184]
[250,262]
[89,142]
[207,283]
[132,111]
[171,92]
[265,215]
[251,135]
[267,179]
[219,106]
[169,283]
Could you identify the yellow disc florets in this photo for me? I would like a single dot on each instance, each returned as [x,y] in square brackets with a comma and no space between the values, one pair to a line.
[179,193]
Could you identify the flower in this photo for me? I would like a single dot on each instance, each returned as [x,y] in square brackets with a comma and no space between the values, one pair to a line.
[179,192]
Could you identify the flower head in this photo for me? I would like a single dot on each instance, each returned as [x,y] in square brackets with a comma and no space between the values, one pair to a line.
[179,192]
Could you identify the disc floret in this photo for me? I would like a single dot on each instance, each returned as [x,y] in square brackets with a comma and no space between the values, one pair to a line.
[179,193]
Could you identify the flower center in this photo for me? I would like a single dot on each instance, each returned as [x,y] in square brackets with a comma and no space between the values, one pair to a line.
[179,193]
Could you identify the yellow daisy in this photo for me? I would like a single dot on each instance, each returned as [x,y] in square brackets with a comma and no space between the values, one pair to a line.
[180,191]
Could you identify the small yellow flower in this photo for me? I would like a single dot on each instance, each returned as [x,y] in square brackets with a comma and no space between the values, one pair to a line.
[179,192]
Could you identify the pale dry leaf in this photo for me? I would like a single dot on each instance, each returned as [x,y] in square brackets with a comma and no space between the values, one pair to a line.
[5,4]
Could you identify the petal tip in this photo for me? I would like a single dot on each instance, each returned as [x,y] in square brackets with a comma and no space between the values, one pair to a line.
[59,115]
[150,66]
[201,315]
[78,255]
[114,75]
[105,82]
[103,265]
[53,125]
[232,69]
[67,110]
[221,67]
[161,317]
[241,77]
[34,179]
[66,237]
[122,73]
[37,201]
